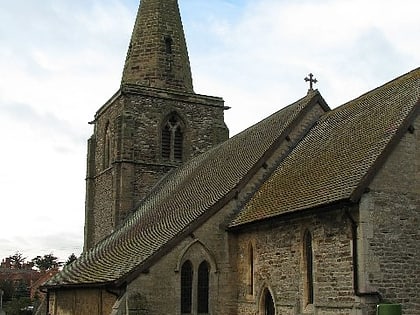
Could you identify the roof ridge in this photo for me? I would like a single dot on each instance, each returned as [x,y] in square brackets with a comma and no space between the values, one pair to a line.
[331,162]
[393,81]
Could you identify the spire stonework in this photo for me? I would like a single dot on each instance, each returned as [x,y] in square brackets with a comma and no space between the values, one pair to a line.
[154,123]
[157,55]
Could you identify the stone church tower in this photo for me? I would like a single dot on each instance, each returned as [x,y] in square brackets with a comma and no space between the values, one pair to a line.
[152,124]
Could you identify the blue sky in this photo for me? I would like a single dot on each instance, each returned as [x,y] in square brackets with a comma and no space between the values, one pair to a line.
[60,60]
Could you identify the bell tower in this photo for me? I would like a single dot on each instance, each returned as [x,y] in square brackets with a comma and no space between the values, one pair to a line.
[152,124]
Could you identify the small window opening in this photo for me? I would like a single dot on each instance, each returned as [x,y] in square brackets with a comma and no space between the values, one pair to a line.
[168,44]
[250,269]
[309,268]
[107,148]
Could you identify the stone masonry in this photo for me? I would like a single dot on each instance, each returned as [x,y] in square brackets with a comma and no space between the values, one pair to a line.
[125,154]
[135,120]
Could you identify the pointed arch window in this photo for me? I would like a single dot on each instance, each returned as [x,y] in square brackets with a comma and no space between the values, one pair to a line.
[107,147]
[186,287]
[309,275]
[268,304]
[195,288]
[250,269]
[203,288]
[172,139]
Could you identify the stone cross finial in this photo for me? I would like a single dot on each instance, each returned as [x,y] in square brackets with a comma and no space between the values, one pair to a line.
[311,81]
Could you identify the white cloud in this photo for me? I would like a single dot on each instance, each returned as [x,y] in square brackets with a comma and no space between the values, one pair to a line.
[350,46]
[61,60]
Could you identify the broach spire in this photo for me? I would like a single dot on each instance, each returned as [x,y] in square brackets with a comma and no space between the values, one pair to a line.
[157,55]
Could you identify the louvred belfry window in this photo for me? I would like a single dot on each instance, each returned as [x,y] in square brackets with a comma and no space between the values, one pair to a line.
[172,139]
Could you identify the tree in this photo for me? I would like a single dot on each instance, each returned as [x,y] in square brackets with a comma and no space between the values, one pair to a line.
[46,262]
[8,288]
[71,258]
[17,261]
[22,289]
[19,306]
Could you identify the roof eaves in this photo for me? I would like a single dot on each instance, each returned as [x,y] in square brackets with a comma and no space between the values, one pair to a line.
[290,215]
[71,286]
[168,246]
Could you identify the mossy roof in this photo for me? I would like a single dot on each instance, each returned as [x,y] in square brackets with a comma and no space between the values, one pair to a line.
[180,202]
[341,153]
[335,161]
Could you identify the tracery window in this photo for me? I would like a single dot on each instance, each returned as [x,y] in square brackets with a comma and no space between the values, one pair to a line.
[308,260]
[172,138]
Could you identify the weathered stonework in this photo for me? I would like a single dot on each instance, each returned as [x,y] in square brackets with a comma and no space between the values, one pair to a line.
[134,120]
[390,234]
[224,251]
[335,242]
[157,55]
[279,265]
[125,155]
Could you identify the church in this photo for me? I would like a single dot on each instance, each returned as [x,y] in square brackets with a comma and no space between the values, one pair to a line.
[312,210]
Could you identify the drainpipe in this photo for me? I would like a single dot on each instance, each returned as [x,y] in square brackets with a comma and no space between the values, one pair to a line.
[356,284]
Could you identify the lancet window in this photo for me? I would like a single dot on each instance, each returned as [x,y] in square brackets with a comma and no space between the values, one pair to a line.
[308,261]
[195,290]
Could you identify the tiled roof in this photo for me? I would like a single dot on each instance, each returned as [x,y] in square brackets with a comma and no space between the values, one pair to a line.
[183,198]
[339,154]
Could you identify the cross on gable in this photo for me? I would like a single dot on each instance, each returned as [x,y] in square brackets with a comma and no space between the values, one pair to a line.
[311,81]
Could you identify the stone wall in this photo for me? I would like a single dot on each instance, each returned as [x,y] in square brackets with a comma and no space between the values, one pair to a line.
[221,249]
[134,119]
[159,290]
[279,265]
[389,232]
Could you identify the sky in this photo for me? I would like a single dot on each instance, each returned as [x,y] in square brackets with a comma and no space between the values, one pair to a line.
[60,60]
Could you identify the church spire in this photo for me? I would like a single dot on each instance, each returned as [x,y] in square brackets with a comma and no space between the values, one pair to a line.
[157,55]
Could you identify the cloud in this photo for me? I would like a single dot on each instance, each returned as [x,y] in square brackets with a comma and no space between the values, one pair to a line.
[273,44]
[61,60]
[47,124]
